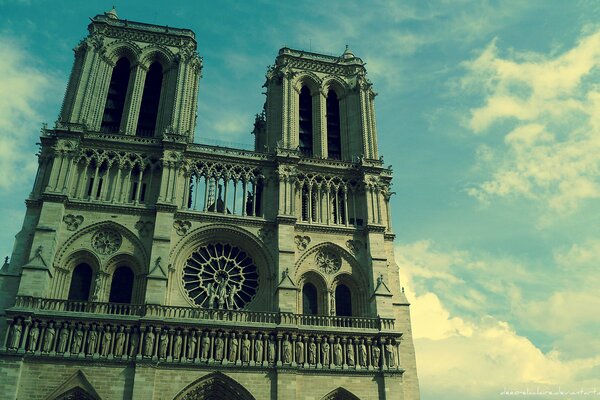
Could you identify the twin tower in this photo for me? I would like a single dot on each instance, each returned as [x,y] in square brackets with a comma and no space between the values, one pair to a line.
[153,267]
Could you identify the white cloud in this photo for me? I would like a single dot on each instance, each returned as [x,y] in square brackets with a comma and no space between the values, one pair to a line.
[23,88]
[464,355]
[546,106]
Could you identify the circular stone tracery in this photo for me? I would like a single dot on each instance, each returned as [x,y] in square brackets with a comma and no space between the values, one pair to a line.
[219,275]
[106,241]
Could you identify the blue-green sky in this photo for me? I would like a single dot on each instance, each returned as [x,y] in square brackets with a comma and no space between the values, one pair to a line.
[489,112]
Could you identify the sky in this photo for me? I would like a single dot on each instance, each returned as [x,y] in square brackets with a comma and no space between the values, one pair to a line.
[488,112]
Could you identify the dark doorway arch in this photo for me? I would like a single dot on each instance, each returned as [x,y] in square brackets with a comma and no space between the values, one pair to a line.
[81,281]
[215,386]
[343,301]
[310,305]
[121,288]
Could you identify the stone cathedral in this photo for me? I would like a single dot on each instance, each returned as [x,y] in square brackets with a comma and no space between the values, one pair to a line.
[153,267]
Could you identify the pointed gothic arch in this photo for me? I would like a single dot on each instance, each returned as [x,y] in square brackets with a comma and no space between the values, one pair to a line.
[214,386]
[77,386]
[340,394]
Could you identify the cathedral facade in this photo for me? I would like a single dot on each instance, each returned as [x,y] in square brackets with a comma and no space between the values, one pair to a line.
[153,267]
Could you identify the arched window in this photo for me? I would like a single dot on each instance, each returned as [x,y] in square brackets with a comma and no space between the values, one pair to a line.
[309,299]
[81,281]
[115,100]
[334,141]
[121,288]
[150,99]
[305,118]
[343,301]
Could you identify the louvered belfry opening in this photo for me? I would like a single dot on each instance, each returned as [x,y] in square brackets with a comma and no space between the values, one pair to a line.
[115,100]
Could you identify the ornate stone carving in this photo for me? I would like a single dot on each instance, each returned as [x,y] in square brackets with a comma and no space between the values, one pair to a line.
[302,242]
[34,334]
[63,337]
[73,221]
[325,352]
[17,330]
[328,261]
[266,234]
[106,241]
[144,228]
[49,338]
[182,227]
[354,246]
[376,354]
[149,344]
[220,276]
[164,344]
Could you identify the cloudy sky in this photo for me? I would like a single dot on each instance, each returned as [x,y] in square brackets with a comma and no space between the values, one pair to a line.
[489,112]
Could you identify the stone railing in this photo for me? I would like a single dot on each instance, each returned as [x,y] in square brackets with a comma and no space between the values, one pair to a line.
[98,337]
[204,314]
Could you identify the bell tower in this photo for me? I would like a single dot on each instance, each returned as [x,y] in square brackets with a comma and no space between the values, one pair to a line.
[133,79]
[180,270]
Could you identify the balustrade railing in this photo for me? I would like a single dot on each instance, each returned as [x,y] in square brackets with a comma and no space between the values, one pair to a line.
[206,314]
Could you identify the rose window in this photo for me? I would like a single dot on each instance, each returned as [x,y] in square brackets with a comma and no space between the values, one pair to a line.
[219,275]
[106,241]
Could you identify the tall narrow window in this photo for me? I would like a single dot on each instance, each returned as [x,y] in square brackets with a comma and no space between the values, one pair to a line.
[150,99]
[81,281]
[305,122]
[309,299]
[121,288]
[343,301]
[304,203]
[334,142]
[115,100]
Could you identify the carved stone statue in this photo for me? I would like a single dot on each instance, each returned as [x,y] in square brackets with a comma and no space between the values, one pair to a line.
[246,349]
[205,346]
[222,294]
[350,353]
[231,300]
[63,338]
[164,344]
[97,284]
[258,348]
[134,342]
[271,350]
[34,334]
[299,351]
[77,340]
[287,351]
[219,346]
[106,339]
[337,352]
[233,348]
[49,338]
[376,354]
[312,352]
[191,345]
[210,294]
[362,353]
[17,331]
[178,341]
[325,352]
[390,354]
[149,345]
[119,342]
[92,341]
